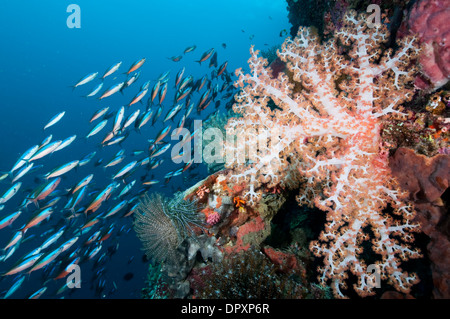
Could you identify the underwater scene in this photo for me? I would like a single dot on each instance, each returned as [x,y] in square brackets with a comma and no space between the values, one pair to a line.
[193,150]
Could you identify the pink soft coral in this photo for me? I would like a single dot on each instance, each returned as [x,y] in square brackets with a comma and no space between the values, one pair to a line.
[213,218]
[325,135]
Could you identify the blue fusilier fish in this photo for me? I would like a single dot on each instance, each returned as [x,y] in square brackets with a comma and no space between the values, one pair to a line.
[113,89]
[45,260]
[88,78]
[162,134]
[52,239]
[202,82]
[174,111]
[157,114]
[8,220]
[24,158]
[92,253]
[55,119]
[42,191]
[163,76]
[176,58]
[67,244]
[205,56]
[75,199]
[65,143]
[116,160]
[87,159]
[118,120]
[150,182]
[101,197]
[13,243]
[187,81]
[130,81]
[112,69]
[23,264]
[125,170]
[160,151]
[46,141]
[144,119]
[155,91]
[97,128]
[179,95]
[190,49]
[213,60]
[62,169]
[145,86]
[163,93]
[130,120]
[10,192]
[136,65]
[45,150]
[115,140]
[179,76]
[38,293]
[138,97]
[37,218]
[189,109]
[98,114]
[126,189]
[22,172]
[85,181]
[94,91]
[116,208]
[222,68]
[14,287]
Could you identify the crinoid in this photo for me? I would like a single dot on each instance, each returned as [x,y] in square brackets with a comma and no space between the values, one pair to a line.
[162,224]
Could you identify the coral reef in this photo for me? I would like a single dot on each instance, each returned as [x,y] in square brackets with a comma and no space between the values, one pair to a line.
[155,287]
[246,275]
[306,13]
[426,179]
[327,130]
[429,20]
[327,16]
[426,133]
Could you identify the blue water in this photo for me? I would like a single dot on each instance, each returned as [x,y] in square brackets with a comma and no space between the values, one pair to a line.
[41,57]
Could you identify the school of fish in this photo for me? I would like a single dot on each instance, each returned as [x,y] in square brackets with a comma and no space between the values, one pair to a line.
[80,217]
